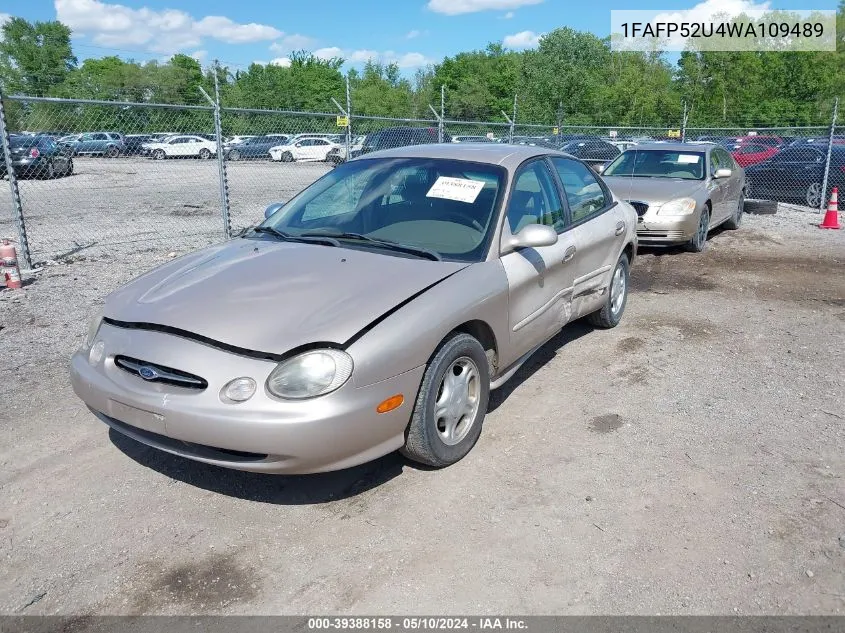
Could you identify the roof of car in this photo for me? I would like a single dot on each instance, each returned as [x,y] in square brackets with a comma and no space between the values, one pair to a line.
[509,156]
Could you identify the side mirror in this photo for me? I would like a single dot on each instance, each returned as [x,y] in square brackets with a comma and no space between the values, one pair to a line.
[722,173]
[533,236]
[298,145]
[271,209]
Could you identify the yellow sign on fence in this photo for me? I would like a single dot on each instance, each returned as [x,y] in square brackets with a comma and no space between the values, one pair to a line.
[674,134]
[555,131]
[342,121]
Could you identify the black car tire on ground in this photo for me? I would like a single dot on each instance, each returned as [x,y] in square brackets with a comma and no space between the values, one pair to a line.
[812,197]
[423,442]
[112,151]
[699,240]
[735,220]
[69,167]
[607,317]
[159,154]
[49,171]
[205,153]
[287,157]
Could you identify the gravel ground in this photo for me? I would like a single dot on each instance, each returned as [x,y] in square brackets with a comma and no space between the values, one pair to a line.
[690,461]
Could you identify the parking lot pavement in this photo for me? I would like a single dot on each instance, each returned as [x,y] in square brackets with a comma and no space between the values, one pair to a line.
[123,205]
[689,461]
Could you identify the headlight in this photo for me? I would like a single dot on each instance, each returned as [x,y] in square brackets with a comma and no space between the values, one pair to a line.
[681,206]
[310,374]
[93,328]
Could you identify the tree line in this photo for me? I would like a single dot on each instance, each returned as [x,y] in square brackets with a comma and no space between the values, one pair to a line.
[572,77]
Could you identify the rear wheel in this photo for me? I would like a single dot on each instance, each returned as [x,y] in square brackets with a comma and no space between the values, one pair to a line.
[617,297]
[451,403]
[50,171]
[69,168]
[234,155]
[112,151]
[736,219]
[699,240]
[813,196]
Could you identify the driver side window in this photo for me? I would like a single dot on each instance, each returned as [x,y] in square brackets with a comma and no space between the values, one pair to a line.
[534,199]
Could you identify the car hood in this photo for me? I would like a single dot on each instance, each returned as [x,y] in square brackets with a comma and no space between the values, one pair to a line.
[272,296]
[653,190]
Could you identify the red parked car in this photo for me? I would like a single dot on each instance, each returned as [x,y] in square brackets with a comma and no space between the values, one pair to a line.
[751,153]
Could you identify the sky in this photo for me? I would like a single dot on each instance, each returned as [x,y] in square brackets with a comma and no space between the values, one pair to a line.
[411,33]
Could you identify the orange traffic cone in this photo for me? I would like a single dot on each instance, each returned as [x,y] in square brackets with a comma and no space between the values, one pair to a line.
[831,218]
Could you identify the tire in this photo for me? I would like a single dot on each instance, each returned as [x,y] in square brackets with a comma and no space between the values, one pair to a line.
[611,312]
[699,240]
[205,153]
[735,220]
[287,157]
[112,151]
[234,155]
[50,171]
[444,440]
[813,196]
[159,154]
[69,168]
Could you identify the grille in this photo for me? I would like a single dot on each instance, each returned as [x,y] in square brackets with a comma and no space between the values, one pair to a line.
[152,372]
[640,207]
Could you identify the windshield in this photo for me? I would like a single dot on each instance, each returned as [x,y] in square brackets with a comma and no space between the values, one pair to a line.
[443,206]
[654,163]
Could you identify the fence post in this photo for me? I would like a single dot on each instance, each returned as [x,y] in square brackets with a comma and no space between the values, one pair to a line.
[441,132]
[221,161]
[513,120]
[348,121]
[559,120]
[509,120]
[23,241]
[684,125]
[822,202]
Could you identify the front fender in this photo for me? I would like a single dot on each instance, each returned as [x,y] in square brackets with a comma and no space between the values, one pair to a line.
[408,337]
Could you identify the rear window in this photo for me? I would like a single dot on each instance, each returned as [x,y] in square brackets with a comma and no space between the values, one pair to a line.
[24,141]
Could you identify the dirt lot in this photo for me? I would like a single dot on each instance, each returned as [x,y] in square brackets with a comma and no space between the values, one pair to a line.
[689,461]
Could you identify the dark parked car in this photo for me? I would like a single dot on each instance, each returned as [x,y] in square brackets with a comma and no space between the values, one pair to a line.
[132,143]
[591,150]
[94,143]
[533,141]
[37,156]
[399,137]
[796,174]
[257,147]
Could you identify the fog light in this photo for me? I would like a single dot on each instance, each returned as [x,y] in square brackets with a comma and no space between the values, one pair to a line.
[238,390]
[96,353]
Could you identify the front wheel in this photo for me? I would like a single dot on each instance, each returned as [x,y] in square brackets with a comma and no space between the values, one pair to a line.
[451,403]
[699,240]
[50,171]
[287,157]
[69,168]
[205,153]
[610,313]
[159,154]
[112,152]
[234,155]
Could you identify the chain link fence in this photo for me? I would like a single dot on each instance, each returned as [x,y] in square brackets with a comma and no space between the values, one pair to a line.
[113,177]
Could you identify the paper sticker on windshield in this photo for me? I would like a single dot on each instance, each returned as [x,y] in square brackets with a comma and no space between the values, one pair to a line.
[460,189]
[690,159]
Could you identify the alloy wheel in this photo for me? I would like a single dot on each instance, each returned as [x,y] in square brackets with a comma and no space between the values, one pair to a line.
[814,195]
[618,288]
[458,398]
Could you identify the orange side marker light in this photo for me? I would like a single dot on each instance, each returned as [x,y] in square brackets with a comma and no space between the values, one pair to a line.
[393,402]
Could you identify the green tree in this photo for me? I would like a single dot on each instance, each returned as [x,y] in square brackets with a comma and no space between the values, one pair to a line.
[34,56]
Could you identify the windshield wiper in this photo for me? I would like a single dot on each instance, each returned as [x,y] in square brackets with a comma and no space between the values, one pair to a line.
[287,237]
[387,244]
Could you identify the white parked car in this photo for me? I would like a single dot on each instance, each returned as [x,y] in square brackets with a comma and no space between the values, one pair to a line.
[238,138]
[338,154]
[183,146]
[304,149]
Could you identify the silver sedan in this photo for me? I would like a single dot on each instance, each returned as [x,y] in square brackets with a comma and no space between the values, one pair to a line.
[681,191]
[372,312]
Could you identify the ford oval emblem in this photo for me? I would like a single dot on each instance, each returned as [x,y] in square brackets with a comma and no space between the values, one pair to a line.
[147,373]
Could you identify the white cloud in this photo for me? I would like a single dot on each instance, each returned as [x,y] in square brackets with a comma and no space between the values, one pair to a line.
[509,15]
[291,42]
[163,31]
[284,62]
[363,55]
[329,52]
[200,56]
[523,39]
[412,34]
[458,7]
[4,17]
[413,60]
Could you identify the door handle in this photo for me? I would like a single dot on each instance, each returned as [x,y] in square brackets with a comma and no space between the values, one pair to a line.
[569,254]
[620,226]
